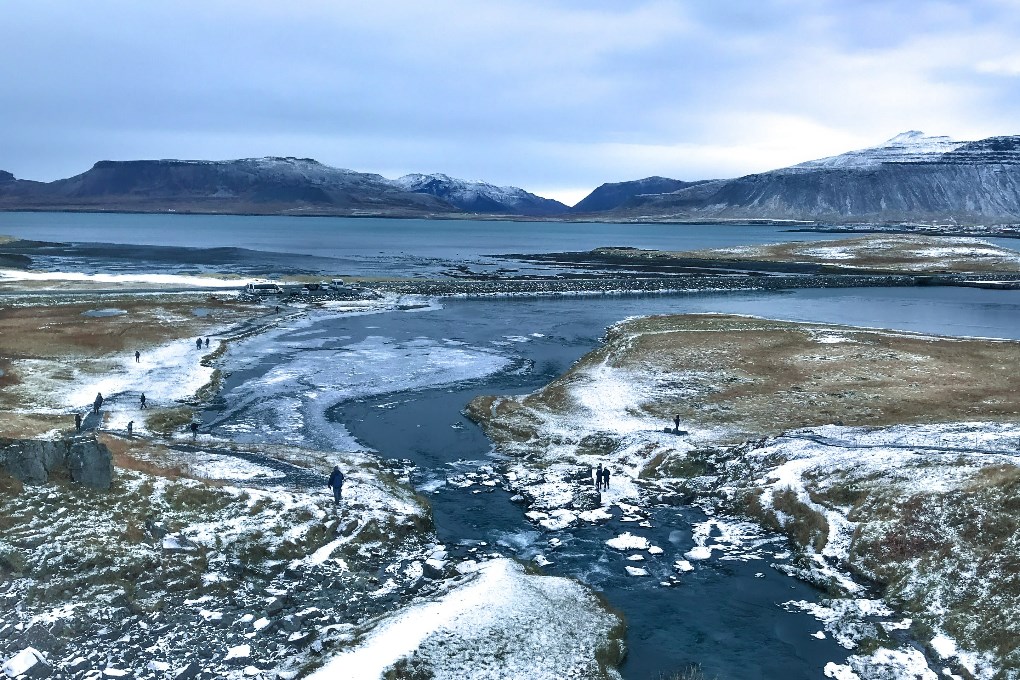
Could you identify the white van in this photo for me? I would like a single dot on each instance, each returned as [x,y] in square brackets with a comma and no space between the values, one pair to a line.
[263,289]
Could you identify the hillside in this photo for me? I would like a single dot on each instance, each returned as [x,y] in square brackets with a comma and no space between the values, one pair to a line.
[617,194]
[912,177]
[481,197]
[264,186]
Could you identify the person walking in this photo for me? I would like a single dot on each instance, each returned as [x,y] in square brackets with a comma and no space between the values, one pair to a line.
[336,483]
[98,403]
[605,479]
[131,427]
[142,399]
[194,429]
[77,422]
[207,343]
[198,343]
[676,423]
[138,356]
[598,477]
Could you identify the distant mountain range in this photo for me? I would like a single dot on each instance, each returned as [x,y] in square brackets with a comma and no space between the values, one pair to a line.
[910,178]
[300,186]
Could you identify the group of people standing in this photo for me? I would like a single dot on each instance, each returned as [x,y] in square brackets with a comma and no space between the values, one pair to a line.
[602,478]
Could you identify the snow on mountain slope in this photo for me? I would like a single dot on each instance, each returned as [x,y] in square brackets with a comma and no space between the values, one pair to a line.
[475,196]
[906,147]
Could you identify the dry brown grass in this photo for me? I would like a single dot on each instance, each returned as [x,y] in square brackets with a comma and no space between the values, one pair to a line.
[757,376]
[884,254]
[143,455]
[60,330]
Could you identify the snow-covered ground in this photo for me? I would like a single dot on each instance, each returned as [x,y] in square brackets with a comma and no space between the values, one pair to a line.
[921,508]
[499,622]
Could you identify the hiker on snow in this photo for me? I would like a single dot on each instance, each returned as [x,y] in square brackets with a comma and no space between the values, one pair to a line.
[336,482]
[97,403]
[77,422]
[142,399]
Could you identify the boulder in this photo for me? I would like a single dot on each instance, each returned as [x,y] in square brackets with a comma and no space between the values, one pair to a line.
[25,466]
[32,461]
[586,498]
[91,464]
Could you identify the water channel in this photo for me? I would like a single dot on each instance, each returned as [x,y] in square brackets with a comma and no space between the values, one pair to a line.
[396,383]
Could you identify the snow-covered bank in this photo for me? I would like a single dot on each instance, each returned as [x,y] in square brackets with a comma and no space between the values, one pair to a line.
[499,623]
[14,275]
[925,509]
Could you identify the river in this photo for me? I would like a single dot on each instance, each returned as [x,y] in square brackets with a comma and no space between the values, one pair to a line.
[396,382]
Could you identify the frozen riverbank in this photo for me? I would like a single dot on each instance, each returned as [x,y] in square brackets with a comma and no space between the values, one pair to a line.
[853,516]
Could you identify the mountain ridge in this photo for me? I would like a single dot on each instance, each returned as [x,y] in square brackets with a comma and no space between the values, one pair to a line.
[911,177]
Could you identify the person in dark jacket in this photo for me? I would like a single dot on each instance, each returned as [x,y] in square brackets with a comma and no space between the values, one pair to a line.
[142,399]
[194,429]
[605,479]
[598,477]
[138,356]
[676,423]
[131,427]
[336,482]
[77,422]
[198,343]
[98,403]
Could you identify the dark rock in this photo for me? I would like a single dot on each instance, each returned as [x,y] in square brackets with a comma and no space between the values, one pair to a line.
[274,606]
[586,499]
[33,460]
[189,672]
[91,464]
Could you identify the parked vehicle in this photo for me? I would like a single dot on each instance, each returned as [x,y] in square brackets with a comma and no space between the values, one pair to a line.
[263,289]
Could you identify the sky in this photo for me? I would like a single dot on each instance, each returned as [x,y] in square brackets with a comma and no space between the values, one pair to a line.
[556,97]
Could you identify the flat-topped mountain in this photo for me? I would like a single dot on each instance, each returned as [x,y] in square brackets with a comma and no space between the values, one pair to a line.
[481,197]
[266,186]
[912,177]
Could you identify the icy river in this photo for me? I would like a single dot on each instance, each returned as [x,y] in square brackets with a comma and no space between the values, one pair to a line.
[396,382]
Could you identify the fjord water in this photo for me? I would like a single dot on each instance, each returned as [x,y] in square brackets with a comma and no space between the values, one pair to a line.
[727,615]
[348,246]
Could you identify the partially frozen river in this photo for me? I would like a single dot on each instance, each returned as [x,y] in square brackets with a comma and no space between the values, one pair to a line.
[396,382]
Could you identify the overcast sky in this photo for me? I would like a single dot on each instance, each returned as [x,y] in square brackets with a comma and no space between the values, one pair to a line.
[554,96]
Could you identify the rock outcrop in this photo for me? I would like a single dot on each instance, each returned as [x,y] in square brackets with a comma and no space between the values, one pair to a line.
[33,461]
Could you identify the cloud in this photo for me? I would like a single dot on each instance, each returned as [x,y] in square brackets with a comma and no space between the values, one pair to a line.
[546,95]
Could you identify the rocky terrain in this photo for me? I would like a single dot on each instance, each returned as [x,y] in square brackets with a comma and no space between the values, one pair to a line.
[853,442]
[139,549]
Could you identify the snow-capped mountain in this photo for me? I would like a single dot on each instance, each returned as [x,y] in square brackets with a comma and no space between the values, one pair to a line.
[266,185]
[911,177]
[480,197]
[906,147]
[270,185]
